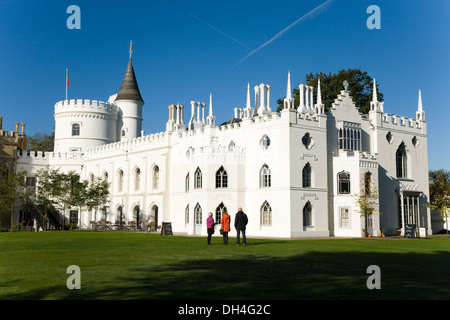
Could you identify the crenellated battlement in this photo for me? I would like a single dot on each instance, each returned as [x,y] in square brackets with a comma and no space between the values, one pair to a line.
[127,145]
[392,120]
[32,155]
[80,105]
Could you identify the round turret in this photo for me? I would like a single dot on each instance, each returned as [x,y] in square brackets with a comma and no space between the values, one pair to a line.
[82,124]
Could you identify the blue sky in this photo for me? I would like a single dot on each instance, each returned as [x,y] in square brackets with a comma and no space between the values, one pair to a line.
[185,50]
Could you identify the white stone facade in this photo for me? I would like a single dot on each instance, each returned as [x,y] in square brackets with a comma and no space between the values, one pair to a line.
[294,173]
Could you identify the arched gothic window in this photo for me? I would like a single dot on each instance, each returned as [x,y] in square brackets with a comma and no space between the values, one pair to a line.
[401,159]
[219,211]
[306,176]
[221,178]
[198,214]
[198,179]
[266,214]
[307,215]
[186,183]
[264,177]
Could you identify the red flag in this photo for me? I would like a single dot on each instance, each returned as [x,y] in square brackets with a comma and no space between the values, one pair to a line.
[67,78]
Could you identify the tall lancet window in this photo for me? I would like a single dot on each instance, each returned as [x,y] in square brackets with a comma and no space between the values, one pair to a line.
[198,179]
[137,181]
[186,183]
[186,215]
[306,176]
[156,177]
[307,215]
[401,159]
[367,182]
[120,180]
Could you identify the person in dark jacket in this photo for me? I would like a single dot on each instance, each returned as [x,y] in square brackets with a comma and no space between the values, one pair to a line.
[240,222]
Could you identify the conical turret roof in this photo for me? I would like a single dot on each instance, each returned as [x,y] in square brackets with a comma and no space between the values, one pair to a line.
[129,89]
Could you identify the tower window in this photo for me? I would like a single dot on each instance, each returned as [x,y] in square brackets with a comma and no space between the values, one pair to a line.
[75,129]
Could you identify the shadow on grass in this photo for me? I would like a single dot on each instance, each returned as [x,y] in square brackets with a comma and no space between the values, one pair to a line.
[314,275]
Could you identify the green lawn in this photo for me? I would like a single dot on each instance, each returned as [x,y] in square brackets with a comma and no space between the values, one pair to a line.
[120,265]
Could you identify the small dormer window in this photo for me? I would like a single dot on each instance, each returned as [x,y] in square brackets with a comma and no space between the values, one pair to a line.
[75,129]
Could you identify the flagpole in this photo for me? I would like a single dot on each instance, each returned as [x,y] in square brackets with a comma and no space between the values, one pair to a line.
[67,75]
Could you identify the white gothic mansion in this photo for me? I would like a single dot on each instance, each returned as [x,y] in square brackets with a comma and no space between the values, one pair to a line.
[295,173]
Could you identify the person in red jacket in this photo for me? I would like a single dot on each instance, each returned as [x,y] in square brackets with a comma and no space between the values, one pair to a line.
[225,222]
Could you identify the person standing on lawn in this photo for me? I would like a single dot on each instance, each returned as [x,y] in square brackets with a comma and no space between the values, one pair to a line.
[225,222]
[240,222]
[210,226]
